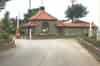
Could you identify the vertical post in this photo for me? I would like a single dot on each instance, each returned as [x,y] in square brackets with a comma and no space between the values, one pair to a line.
[90,30]
[30,33]
[27,32]
[17,22]
[17,29]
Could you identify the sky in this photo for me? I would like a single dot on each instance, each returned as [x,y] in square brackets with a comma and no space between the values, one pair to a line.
[54,7]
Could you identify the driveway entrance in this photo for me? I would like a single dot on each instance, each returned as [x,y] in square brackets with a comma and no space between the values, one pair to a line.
[47,52]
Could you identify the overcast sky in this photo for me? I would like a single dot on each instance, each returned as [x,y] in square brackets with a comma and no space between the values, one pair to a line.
[54,7]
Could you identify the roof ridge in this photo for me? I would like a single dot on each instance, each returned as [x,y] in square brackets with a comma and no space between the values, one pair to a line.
[43,15]
[39,14]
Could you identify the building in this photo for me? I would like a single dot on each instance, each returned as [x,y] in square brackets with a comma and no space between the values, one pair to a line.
[44,24]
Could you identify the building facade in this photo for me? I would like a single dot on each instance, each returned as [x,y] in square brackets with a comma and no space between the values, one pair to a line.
[44,24]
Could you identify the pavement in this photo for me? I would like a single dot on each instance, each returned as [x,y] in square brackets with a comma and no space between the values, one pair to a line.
[47,52]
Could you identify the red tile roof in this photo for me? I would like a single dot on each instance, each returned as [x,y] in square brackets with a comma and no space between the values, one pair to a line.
[30,24]
[60,24]
[42,15]
[74,24]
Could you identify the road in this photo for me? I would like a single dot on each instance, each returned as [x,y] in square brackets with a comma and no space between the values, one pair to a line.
[48,52]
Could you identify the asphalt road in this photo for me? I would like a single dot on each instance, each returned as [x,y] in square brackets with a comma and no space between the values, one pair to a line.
[48,52]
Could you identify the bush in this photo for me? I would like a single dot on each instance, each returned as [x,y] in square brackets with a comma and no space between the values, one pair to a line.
[4,35]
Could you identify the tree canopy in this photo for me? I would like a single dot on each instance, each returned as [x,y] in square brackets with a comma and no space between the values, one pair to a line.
[76,11]
[8,27]
[30,13]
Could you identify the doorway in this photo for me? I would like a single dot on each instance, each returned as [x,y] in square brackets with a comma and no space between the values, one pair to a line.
[45,27]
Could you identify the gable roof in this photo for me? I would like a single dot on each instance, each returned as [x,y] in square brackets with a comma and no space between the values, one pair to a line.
[42,15]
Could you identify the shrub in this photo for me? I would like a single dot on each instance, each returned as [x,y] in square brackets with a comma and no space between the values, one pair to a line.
[4,35]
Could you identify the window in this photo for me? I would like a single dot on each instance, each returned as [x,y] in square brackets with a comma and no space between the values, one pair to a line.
[45,27]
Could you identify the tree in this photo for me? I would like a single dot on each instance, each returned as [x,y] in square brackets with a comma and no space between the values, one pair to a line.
[8,27]
[6,22]
[5,35]
[5,27]
[30,13]
[76,11]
